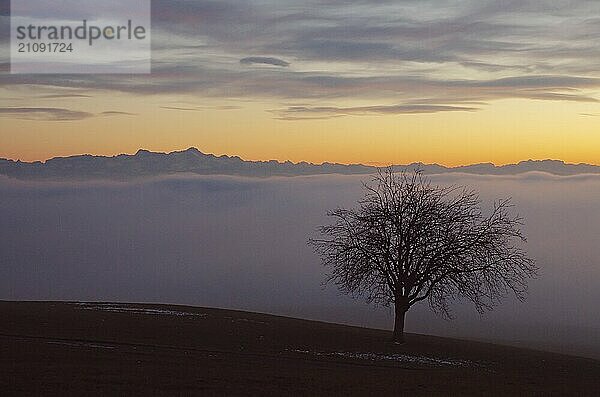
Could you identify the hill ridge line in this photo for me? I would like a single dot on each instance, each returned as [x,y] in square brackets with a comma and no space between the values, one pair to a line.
[145,163]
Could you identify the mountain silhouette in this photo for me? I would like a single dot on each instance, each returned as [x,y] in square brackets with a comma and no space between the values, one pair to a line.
[192,161]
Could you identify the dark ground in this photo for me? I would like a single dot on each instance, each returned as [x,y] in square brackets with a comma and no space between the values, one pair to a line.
[129,349]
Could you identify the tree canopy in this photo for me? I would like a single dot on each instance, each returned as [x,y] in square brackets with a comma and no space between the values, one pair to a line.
[409,241]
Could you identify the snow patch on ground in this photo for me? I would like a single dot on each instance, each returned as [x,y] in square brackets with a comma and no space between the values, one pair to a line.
[114,308]
[81,344]
[399,358]
[244,320]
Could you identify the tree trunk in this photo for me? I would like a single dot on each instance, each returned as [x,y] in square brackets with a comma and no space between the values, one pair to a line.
[399,323]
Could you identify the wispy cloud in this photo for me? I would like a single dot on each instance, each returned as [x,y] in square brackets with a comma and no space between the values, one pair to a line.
[307,112]
[47,114]
[181,109]
[264,61]
[117,113]
[63,96]
[201,108]
[54,114]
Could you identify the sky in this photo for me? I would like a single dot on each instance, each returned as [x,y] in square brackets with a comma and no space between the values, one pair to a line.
[240,243]
[378,82]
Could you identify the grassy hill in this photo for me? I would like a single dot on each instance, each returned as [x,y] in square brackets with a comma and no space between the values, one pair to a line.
[142,349]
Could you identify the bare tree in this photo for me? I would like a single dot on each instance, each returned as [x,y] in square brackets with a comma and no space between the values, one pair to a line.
[410,241]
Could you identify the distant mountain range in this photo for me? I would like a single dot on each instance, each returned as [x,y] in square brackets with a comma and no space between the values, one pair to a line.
[146,164]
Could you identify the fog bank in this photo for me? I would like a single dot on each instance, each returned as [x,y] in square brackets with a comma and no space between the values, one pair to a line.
[241,243]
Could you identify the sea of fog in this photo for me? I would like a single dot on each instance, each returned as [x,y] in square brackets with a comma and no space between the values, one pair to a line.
[241,243]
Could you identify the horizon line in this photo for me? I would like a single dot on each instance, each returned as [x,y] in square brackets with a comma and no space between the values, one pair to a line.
[373,164]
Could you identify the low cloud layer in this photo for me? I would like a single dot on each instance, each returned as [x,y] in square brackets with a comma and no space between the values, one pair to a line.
[241,243]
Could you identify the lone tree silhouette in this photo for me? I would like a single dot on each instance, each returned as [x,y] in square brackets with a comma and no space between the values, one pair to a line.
[410,241]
